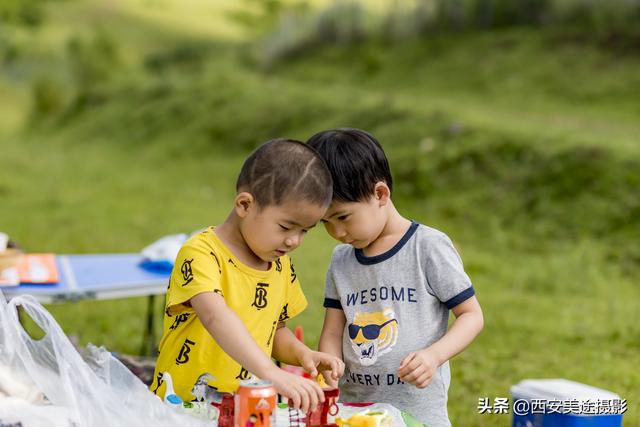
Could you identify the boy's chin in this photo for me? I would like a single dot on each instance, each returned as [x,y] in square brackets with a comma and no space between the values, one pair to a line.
[271,257]
[359,244]
[268,257]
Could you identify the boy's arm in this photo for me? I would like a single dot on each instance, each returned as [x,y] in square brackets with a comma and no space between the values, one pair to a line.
[290,350]
[419,366]
[468,324]
[234,338]
[331,337]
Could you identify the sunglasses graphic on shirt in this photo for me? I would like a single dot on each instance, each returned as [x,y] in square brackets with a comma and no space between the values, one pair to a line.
[370,332]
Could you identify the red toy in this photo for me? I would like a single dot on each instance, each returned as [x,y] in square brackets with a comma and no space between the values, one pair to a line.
[329,407]
[225,419]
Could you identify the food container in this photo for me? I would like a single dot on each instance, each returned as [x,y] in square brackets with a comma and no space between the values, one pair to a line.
[564,403]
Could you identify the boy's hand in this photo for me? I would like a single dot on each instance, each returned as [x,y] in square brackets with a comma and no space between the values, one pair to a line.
[418,367]
[303,393]
[313,361]
[326,375]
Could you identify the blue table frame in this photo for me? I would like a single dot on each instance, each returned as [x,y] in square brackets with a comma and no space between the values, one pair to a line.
[99,277]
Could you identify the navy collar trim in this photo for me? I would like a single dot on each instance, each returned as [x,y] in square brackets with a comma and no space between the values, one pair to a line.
[369,260]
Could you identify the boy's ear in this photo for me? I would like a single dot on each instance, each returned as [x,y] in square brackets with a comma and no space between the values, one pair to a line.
[382,192]
[243,203]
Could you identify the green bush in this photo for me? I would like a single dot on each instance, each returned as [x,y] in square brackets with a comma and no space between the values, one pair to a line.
[343,23]
[22,12]
[93,61]
[340,24]
[185,55]
[566,195]
[47,98]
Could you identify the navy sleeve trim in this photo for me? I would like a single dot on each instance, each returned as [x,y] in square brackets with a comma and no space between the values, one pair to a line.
[332,303]
[460,298]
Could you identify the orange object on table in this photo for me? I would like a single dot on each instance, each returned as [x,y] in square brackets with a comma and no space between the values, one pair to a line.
[255,404]
[32,268]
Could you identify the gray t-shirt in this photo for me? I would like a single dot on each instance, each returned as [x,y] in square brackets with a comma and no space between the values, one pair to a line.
[396,303]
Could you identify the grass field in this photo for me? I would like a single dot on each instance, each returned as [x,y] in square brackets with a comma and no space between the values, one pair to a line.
[522,147]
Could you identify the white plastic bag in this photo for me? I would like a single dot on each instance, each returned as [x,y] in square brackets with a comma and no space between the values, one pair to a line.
[20,413]
[104,394]
[14,381]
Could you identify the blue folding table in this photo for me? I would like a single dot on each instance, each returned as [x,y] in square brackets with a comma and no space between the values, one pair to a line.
[100,276]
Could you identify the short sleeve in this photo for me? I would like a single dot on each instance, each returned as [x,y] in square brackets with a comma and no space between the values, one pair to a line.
[445,273]
[295,302]
[196,270]
[331,296]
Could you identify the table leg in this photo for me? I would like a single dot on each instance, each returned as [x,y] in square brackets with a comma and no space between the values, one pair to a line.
[149,339]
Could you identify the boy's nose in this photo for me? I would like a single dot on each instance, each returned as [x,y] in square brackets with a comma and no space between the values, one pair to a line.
[292,241]
[335,231]
[339,232]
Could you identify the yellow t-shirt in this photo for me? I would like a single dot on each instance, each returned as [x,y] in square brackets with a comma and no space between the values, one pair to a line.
[259,298]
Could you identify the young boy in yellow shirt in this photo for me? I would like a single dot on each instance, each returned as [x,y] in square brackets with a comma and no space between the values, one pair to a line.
[233,286]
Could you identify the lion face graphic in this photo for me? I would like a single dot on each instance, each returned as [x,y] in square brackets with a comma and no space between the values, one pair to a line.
[373,334]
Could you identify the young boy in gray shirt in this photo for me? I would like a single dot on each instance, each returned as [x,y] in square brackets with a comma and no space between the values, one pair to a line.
[389,288]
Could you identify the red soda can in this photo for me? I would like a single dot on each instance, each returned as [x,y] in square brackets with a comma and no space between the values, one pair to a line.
[255,404]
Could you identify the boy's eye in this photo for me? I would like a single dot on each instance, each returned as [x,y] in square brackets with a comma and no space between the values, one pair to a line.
[343,217]
[283,227]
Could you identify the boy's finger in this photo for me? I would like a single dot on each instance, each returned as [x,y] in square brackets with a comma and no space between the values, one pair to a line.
[309,366]
[304,400]
[409,375]
[318,391]
[295,399]
[335,368]
[315,397]
[423,380]
[331,384]
[311,370]
[412,364]
[404,370]
[313,392]
[407,359]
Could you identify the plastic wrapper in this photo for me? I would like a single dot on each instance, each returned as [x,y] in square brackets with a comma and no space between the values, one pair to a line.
[96,392]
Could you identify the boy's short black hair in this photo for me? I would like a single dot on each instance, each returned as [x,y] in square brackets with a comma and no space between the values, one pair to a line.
[356,161]
[285,169]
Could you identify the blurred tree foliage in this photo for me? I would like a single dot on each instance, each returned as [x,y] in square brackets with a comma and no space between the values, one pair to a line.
[14,14]
[26,12]
[611,23]
[47,98]
[259,16]
[93,62]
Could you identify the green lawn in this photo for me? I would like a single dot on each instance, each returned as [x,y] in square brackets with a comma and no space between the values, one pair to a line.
[523,150]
